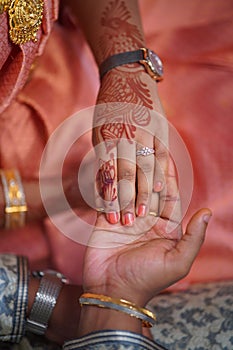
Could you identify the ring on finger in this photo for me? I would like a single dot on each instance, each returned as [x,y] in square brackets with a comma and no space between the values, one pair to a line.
[145,151]
[153,213]
[100,210]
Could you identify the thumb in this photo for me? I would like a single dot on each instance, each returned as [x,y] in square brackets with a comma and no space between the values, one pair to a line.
[193,238]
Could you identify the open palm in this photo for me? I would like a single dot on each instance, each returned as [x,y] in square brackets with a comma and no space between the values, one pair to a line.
[137,266]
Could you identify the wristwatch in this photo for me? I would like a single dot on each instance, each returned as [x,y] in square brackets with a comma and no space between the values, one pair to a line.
[49,289]
[148,58]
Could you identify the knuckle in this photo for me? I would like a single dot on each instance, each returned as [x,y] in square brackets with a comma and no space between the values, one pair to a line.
[110,207]
[144,195]
[161,154]
[146,167]
[127,174]
[126,204]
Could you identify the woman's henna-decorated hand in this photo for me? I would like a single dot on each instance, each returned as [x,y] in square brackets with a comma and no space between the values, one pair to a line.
[124,120]
[128,118]
[124,123]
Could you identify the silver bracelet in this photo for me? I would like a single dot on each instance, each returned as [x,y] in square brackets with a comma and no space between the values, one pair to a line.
[45,301]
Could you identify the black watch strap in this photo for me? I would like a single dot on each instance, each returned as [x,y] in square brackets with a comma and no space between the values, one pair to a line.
[120,59]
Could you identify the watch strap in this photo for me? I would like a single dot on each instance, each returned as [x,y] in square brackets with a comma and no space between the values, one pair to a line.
[45,301]
[120,59]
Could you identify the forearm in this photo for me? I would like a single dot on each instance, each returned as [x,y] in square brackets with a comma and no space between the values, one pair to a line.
[96,319]
[63,324]
[109,26]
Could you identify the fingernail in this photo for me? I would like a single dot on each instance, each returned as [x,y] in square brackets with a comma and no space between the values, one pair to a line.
[128,219]
[112,217]
[206,218]
[158,186]
[142,210]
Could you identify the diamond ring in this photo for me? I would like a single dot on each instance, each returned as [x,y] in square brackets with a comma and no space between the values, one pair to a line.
[145,151]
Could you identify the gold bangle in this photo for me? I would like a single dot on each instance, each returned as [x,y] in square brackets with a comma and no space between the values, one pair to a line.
[15,203]
[147,317]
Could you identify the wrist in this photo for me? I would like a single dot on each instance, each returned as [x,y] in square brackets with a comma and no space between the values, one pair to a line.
[64,320]
[93,319]
[110,312]
[119,292]
[36,209]
[147,58]
[125,70]
[32,290]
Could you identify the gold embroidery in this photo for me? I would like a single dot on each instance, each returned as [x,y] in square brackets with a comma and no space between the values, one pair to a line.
[25,17]
[4,4]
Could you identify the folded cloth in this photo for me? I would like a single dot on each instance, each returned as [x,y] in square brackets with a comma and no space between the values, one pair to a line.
[16,60]
[64,81]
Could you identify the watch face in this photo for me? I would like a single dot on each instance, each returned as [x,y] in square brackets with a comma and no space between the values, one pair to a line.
[156,63]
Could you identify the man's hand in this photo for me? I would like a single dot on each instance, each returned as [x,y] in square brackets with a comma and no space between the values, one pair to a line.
[136,267]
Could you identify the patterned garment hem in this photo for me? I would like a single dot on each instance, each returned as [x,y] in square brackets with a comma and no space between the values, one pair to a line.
[111,340]
[13,297]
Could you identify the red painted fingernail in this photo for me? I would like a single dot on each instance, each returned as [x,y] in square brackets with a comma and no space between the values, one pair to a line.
[128,219]
[142,210]
[113,217]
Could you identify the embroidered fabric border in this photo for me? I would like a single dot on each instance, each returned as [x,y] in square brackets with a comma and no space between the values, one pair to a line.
[110,339]
[198,318]
[13,297]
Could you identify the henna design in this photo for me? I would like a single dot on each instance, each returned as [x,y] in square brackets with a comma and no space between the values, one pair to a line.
[106,177]
[119,34]
[121,119]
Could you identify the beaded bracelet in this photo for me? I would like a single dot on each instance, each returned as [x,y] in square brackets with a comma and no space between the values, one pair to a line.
[147,317]
[15,203]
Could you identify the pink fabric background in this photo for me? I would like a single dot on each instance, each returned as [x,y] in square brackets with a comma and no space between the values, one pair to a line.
[194,39]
